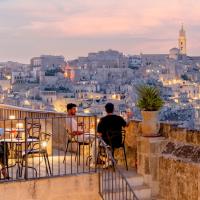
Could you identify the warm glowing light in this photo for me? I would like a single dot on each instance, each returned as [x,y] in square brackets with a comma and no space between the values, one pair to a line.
[44,144]
[176,100]
[8,77]
[69,73]
[12,117]
[66,75]
[27,103]
[114,96]
[19,125]
[86,111]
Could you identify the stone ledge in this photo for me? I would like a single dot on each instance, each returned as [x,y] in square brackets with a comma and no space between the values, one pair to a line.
[177,134]
[182,151]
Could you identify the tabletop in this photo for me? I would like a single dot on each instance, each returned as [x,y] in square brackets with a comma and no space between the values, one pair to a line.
[19,140]
[15,129]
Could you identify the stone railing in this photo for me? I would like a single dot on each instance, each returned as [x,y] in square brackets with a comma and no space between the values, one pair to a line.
[170,163]
[179,164]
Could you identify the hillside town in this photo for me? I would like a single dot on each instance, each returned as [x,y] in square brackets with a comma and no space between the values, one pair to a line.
[49,82]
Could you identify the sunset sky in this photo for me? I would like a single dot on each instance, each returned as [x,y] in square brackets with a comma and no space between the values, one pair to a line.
[73,28]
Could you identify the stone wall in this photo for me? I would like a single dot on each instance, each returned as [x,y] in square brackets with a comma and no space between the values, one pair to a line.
[173,133]
[148,153]
[170,164]
[179,180]
[77,187]
[179,164]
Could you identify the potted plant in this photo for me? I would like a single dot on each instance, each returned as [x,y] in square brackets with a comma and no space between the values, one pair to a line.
[150,102]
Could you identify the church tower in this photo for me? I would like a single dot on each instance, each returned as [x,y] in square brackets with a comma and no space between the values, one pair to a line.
[182,41]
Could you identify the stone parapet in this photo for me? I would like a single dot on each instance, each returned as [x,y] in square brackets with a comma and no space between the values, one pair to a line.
[183,135]
[148,153]
[75,187]
[179,170]
[169,164]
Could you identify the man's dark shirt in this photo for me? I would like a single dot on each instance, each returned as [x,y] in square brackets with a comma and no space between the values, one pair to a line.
[110,127]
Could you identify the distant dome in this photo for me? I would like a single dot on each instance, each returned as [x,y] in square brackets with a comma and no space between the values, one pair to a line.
[174,53]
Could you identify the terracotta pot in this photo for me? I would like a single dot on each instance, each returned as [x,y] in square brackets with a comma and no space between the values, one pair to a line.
[150,123]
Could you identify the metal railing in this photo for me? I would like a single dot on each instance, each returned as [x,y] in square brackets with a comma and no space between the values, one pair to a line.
[46,147]
[33,148]
[14,112]
[113,185]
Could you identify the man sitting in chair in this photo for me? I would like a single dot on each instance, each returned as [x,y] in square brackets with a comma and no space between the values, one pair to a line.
[76,130]
[110,128]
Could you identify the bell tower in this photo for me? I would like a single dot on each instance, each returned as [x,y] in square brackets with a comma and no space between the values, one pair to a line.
[182,41]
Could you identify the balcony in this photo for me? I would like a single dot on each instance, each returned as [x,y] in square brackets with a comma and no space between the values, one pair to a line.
[37,142]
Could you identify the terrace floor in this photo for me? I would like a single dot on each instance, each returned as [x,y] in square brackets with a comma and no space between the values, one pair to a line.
[58,167]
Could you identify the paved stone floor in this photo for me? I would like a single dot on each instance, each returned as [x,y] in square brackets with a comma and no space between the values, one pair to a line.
[58,167]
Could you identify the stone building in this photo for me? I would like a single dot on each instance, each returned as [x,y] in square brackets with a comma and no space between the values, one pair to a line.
[182,41]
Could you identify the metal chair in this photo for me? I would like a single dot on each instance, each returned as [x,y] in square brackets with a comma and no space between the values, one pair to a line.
[73,138]
[116,139]
[39,147]
[81,143]
[33,129]
[70,139]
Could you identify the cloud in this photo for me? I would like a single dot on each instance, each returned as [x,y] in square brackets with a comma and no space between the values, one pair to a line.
[157,21]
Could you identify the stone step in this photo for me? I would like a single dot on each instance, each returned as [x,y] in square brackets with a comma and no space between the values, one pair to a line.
[142,192]
[132,177]
[116,183]
[135,180]
[119,196]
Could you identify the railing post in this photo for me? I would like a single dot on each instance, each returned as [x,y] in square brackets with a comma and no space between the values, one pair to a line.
[95,157]
[99,181]
[26,148]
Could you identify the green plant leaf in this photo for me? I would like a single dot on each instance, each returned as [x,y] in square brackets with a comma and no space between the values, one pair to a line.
[149,98]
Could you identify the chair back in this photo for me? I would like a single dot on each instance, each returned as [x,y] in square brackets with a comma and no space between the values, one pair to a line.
[115,138]
[44,139]
[42,142]
[123,131]
[33,129]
